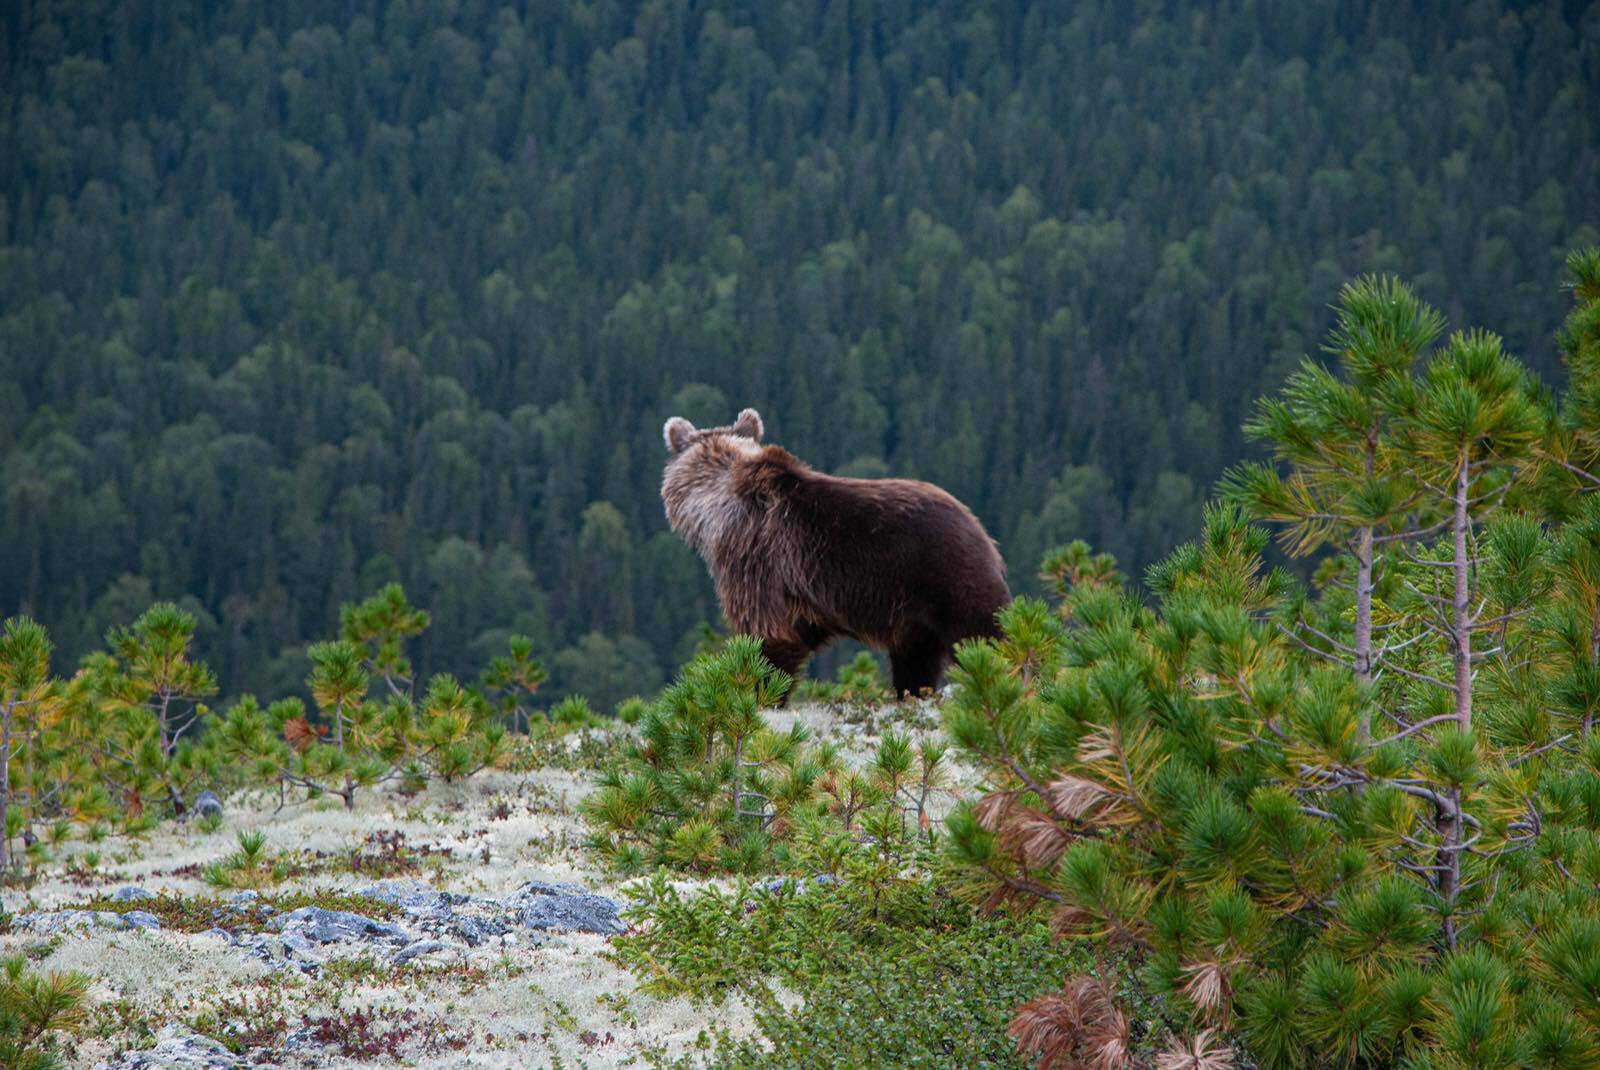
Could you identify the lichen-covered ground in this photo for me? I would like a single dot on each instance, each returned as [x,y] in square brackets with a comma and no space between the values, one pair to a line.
[528,998]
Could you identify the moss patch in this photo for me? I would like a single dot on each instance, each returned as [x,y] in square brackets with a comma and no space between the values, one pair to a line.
[196,915]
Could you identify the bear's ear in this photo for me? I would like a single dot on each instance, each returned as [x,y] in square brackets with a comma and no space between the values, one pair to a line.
[677,433]
[749,425]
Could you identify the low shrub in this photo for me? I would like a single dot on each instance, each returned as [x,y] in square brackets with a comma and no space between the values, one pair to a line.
[708,787]
[35,1007]
[890,970]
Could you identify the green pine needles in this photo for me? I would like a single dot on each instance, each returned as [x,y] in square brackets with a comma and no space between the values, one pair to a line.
[129,737]
[33,1009]
[372,727]
[1356,824]
[708,786]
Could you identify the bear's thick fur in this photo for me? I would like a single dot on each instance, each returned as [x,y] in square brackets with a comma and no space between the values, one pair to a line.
[799,558]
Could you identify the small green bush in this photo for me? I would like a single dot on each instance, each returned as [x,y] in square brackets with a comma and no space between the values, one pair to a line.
[889,974]
[861,680]
[709,787]
[251,866]
[33,1008]
[939,1001]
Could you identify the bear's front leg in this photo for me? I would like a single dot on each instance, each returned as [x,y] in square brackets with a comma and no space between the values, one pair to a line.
[787,653]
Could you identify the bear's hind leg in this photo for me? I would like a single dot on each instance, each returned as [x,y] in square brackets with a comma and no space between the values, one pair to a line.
[918,664]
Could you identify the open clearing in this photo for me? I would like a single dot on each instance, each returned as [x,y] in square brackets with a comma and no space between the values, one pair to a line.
[524,998]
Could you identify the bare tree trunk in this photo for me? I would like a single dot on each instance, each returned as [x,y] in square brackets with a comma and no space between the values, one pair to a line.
[5,785]
[28,771]
[338,737]
[1461,627]
[1450,875]
[1363,665]
[1461,619]
[169,742]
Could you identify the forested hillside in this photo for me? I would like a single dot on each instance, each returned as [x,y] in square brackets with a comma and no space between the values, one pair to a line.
[299,298]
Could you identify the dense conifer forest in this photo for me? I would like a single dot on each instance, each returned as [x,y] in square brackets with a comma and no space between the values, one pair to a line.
[298,299]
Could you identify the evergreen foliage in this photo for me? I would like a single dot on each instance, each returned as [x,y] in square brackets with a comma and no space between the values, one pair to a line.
[300,299]
[890,969]
[1194,780]
[707,786]
[34,1007]
[110,748]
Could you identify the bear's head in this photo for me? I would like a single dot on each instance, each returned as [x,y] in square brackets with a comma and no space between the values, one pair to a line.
[680,434]
[697,486]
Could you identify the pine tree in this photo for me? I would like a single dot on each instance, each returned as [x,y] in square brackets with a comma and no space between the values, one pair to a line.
[1570,454]
[24,677]
[379,628]
[33,1007]
[155,671]
[513,678]
[1467,428]
[339,684]
[1187,780]
[1345,485]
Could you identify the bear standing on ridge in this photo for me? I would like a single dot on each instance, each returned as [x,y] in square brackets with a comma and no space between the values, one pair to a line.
[799,557]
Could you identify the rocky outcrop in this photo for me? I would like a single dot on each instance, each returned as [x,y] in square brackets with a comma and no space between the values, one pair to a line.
[536,906]
[56,922]
[177,1049]
[431,921]
[321,926]
[544,905]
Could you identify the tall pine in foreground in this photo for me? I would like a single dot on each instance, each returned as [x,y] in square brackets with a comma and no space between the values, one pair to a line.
[1190,782]
[1345,485]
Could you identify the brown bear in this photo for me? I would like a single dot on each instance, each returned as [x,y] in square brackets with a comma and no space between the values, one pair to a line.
[799,558]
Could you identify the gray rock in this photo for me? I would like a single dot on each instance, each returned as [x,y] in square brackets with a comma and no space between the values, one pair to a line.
[206,804]
[421,947]
[142,919]
[177,1049]
[130,893]
[219,932]
[471,929]
[411,896]
[799,884]
[279,953]
[244,898]
[338,927]
[548,905]
[471,920]
[297,942]
[49,923]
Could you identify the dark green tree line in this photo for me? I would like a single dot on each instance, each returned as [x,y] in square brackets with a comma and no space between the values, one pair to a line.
[297,300]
